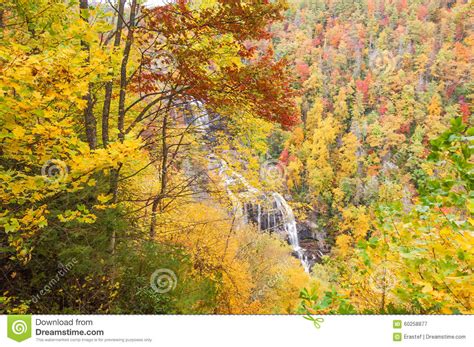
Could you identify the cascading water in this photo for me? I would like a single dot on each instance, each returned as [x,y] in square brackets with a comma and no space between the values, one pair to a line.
[291,230]
[278,217]
[275,216]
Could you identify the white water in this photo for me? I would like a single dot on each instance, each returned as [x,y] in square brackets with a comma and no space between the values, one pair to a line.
[241,197]
[290,228]
[288,222]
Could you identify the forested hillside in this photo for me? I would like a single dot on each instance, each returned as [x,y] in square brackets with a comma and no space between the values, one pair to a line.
[383,158]
[221,156]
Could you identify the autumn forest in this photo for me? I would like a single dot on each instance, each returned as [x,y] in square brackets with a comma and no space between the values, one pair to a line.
[236,157]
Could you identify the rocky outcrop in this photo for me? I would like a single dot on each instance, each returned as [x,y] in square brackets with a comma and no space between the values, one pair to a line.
[313,240]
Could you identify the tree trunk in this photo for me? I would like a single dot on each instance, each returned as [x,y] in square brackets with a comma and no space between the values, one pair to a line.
[2,12]
[154,209]
[89,119]
[109,85]
[121,116]
[164,176]
[123,71]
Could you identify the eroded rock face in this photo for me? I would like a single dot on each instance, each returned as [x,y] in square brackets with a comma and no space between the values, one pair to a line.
[307,230]
[313,240]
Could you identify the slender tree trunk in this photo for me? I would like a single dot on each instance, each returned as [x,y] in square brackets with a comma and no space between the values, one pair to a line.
[123,71]
[121,116]
[89,119]
[154,211]
[109,85]
[164,176]
[2,12]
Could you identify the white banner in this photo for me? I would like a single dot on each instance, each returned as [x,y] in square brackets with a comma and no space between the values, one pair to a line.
[121,330]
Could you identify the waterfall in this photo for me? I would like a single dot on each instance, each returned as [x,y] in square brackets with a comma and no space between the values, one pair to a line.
[248,202]
[289,223]
[277,216]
